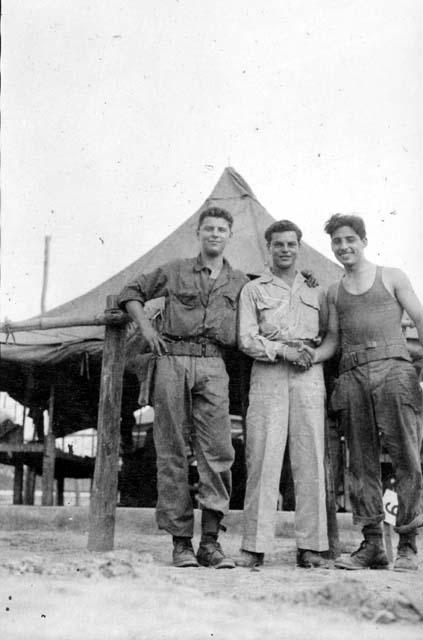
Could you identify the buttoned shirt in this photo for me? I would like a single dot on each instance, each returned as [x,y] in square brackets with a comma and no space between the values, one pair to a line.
[195,305]
[271,312]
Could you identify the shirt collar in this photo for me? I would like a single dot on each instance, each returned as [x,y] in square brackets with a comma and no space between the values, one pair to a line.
[267,276]
[199,265]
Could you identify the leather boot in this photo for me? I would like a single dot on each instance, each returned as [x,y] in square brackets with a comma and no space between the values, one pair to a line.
[406,559]
[369,555]
[210,552]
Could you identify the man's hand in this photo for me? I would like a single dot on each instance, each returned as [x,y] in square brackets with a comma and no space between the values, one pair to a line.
[155,341]
[310,279]
[297,356]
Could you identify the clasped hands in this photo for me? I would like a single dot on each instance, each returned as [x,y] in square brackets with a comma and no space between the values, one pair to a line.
[301,356]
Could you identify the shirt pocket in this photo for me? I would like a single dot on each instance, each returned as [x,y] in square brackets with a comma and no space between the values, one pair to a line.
[187,299]
[267,303]
[230,301]
[310,313]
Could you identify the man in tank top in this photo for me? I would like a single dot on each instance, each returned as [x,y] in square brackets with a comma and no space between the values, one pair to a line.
[377,396]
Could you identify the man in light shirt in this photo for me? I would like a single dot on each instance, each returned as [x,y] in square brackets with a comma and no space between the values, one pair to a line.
[282,322]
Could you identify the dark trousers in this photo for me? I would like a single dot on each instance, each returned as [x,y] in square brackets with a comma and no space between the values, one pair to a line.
[381,402]
[191,409]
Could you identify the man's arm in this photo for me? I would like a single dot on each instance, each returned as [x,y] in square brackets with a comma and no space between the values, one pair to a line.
[132,299]
[251,341]
[407,298]
[330,342]
[153,338]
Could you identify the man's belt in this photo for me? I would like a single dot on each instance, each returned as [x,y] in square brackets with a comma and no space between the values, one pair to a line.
[197,347]
[370,353]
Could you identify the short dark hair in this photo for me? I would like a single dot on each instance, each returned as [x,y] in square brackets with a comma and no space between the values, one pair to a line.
[215,212]
[280,227]
[346,220]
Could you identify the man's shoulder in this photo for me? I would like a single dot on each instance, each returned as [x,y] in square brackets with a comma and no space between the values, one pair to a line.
[257,283]
[237,274]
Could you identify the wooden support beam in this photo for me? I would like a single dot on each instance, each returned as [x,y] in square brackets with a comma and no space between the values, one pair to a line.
[104,490]
[60,490]
[29,447]
[114,317]
[19,475]
[47,481]
[29,488]
[333,533]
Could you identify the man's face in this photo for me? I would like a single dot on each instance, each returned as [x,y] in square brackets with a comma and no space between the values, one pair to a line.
[283,249]
[213,235]
[347,245]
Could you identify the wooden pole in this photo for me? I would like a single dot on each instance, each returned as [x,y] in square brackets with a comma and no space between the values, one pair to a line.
[333,533]
[60,490]
[29,489]
[19,471]
[49,457]
[104,490]
[45,272]
[115,316]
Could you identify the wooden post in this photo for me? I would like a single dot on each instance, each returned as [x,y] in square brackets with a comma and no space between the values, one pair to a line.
[60,490]
[45,273]
[18,475]
[333,534]
[49,457]
[104,490]
[29,488]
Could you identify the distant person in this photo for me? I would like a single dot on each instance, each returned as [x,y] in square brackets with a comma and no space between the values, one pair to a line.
[282,322]
[191,385]
[377,396]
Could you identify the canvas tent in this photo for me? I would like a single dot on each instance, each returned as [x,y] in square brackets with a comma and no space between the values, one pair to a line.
[71,358]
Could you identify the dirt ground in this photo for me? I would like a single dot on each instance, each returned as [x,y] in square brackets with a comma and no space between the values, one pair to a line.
[52,587]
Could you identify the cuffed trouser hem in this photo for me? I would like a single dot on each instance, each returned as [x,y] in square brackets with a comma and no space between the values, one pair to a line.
[221,506]
[312,545]
[254,547]
[365,520]
[183,531]
[411,526]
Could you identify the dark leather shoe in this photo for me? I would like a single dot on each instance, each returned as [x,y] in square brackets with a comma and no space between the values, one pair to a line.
[406,559]
[249,559]
[308,559]
[210,554]
[183,554]
[369,555]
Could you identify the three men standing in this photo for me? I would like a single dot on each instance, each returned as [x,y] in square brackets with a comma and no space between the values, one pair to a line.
[289,328]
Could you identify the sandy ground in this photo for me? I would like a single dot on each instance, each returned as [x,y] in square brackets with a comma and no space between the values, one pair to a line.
[52,587]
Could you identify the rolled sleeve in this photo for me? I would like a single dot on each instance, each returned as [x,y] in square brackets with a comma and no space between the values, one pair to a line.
[250,340]
[144,287]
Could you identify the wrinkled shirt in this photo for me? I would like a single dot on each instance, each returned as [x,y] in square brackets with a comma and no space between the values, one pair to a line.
[195,305]
[271,312]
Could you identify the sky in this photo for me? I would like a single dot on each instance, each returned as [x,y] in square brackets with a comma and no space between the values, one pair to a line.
[119,116]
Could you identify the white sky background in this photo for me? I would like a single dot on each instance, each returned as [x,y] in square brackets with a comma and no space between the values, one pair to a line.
[118,117]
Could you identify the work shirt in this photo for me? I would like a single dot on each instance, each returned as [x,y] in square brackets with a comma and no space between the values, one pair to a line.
[195,305]
[271,312]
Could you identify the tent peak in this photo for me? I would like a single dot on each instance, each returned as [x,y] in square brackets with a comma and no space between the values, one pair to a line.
[231,185]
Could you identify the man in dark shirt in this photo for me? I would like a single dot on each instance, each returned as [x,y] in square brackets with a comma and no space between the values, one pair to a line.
[377,396]
[191,385]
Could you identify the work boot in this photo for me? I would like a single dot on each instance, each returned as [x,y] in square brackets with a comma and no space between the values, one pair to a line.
[406,559]
[210,554]
[369,555]
[249,559]
[183,554]
[308,559]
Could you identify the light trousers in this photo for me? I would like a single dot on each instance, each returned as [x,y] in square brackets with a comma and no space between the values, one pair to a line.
[285,403]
